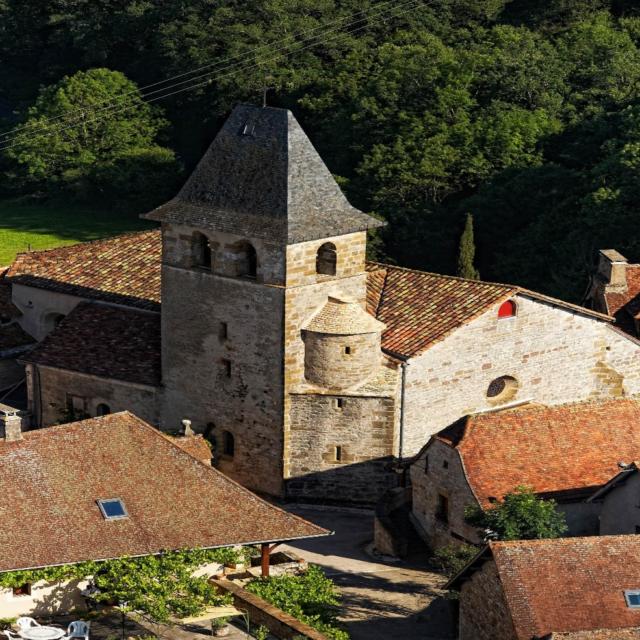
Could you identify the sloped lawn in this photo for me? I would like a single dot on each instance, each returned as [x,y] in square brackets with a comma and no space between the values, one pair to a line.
[30,224]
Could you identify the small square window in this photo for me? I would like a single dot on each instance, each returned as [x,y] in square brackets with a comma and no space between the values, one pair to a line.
[22,590]
[633,598]
[113,509]
[226,368]
[340,403]
[348,351]
[445,464]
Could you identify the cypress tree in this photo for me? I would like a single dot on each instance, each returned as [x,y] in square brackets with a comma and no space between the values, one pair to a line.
[467,252]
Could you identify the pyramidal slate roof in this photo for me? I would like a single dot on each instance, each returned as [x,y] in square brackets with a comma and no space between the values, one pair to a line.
[262,178]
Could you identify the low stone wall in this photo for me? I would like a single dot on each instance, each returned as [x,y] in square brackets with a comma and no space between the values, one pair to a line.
[389,538]
[279,623]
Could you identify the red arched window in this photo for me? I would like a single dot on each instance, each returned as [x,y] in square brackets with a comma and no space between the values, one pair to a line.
[507,309]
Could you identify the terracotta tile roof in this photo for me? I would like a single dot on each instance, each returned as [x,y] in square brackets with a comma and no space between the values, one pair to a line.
[566,448]
[195,446]
[106,341]
[421,308]
[52,478]
[625,306]
[569,584]
[597,634]
[124,269]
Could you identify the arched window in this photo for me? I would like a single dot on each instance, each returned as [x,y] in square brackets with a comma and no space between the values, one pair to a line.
[326,259]
[502,389]
[201,251]
[246,260]
[507,309]
[228,444]
[103,409]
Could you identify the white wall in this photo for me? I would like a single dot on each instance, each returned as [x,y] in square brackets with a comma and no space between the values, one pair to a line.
[45,599]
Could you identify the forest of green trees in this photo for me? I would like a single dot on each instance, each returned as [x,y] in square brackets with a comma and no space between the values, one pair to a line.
[524,114]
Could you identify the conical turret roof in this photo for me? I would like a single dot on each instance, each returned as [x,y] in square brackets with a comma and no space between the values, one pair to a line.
[261,177]
[343,317]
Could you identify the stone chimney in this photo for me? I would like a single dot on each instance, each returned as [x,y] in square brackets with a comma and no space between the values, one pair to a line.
[612,270]
[11,422]
[186,428]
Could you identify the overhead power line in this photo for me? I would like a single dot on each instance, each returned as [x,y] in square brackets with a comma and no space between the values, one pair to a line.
[232,69]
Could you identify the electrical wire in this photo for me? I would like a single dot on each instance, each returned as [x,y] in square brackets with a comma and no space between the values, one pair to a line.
[389,13]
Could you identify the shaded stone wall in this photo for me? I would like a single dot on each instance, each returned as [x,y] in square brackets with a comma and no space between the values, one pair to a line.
[484,614]
[443,476]
[54,386]
[362,427]
[555,355]
[222,356]
[620,513]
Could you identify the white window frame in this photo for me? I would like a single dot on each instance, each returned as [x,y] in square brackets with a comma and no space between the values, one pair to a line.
[632,592]
[102,502]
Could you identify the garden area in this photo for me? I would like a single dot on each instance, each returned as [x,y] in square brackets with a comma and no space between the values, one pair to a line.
[173,595]
[32,224]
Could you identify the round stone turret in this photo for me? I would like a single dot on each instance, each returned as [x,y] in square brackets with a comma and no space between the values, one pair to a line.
[342,345]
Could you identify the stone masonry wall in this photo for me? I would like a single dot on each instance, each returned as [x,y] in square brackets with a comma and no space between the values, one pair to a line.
[556,356]
[444,476]
[328,365]
[484,614]
[362,427]
[55,385]
[313,425]
[223,358]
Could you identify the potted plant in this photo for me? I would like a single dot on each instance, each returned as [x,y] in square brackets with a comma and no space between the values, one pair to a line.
[220,627]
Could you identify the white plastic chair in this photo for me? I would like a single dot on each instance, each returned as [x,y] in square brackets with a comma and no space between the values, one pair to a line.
[25,622]
[78,629]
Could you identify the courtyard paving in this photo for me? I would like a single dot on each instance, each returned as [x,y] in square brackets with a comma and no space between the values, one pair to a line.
[381,600]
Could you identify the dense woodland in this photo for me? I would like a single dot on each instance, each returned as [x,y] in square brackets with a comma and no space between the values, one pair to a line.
[523,113]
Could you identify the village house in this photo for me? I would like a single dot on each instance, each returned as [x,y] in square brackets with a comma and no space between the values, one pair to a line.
[569,588]
[115,486]
[253,313]
[581,455]
[615,290]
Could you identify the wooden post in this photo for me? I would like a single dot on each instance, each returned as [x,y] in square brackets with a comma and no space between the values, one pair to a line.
[265,551]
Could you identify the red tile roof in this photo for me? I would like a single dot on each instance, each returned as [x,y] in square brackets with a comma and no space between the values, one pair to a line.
[598,634]
[569,584]
[418,308]
[422,308]
[124,269]
[106,341]
[52,478]
[566,448]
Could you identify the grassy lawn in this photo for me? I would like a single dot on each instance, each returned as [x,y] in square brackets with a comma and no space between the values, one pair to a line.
[28,224]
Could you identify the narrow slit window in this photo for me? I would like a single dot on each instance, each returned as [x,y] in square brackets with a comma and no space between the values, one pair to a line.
[426,464]
[228,444]
[224,331]
[340,403]
[445,464]
[348,351]
[226,368]
[338,453]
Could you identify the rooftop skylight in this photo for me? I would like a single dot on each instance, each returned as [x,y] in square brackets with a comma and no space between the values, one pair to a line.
[113,509]
[633,598]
